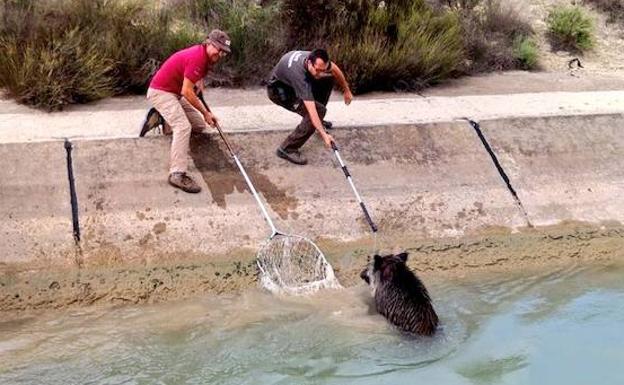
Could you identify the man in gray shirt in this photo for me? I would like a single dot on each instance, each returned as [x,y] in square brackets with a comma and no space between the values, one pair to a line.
[302,82]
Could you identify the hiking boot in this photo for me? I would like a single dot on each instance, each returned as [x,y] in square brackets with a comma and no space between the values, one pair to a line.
[294,156]
[328,125]
[183,182]
[152,120]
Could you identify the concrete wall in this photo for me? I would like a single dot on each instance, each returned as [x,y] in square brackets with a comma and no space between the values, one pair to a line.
[565,168]
[35,213]
[429,180]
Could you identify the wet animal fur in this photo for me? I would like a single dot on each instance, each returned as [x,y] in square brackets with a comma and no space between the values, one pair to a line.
[400,295]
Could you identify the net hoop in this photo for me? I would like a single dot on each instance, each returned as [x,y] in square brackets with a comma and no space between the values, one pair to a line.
[294,265]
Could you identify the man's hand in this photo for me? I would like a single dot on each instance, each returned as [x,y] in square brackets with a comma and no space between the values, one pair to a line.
[189,93]
[328,139]
[210,119]
[348,96]
[342,82]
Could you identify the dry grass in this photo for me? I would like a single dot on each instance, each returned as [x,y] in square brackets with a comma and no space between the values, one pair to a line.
[61,52]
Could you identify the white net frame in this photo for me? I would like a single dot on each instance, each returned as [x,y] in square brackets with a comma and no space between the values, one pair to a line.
[294,265]
[289,264]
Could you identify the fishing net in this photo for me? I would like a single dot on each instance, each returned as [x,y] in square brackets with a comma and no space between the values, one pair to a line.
[291,264]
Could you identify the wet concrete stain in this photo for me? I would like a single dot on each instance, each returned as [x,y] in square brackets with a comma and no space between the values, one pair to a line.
[223,177]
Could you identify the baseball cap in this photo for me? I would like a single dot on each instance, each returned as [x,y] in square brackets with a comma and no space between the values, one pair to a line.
[220,39]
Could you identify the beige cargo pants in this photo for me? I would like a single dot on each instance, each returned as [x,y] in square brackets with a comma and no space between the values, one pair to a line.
[183,118]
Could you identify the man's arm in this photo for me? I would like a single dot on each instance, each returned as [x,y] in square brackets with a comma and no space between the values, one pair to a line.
[200,85]
[342,82]
[189,94]
[310,105]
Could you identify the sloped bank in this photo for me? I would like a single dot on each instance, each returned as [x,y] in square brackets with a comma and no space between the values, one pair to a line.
[478,194]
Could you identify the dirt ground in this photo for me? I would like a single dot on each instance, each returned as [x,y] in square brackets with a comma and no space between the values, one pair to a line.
[606,57]
[102,282]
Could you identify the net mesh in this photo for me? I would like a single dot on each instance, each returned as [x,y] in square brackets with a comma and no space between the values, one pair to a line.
[291,264]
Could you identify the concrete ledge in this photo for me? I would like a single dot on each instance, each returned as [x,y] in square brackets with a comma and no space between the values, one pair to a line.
[122,117]
[424,181]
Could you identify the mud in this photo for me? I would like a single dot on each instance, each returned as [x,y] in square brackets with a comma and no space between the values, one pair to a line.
[110,280]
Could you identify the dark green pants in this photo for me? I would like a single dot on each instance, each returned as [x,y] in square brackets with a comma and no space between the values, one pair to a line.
[284,95]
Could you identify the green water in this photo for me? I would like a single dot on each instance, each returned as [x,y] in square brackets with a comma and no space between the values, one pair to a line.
[561,327]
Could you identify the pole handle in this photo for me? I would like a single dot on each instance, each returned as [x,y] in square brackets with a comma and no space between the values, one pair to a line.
[200,95]
[372,224]
[345,170]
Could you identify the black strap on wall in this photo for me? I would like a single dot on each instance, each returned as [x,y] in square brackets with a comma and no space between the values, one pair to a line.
[73,197]
[499,168]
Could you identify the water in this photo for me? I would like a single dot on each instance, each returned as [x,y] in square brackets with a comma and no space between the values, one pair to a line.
[561,327]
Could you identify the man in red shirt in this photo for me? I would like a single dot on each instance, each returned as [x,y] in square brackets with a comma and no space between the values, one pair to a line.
[172,95]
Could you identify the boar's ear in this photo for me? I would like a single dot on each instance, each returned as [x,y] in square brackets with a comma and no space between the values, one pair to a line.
[378,261]
[403,256]
[364,276]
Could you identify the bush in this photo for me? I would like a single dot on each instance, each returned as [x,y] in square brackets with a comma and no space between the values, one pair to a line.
[257,39]
[526,53]
[570,28]
[80,50]
[331,18]
[63,70]
[490,30]
[403,45]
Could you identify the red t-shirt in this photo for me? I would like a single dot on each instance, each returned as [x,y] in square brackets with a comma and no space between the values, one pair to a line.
[191,63]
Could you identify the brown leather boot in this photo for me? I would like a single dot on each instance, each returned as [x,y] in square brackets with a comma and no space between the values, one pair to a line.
[184,182]
[294,156]
[152,120]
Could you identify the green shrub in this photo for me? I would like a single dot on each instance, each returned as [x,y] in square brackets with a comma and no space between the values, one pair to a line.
[80,50]
[257,39]
[526,52]
[314,22]
[570,28]
[490,30]
[130,33]
[403,45]
[63,70]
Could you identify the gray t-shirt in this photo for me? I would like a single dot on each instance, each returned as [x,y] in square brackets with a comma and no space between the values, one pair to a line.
[291,71]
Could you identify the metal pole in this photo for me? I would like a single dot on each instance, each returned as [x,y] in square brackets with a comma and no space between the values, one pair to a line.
[242,170]
[357,195]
